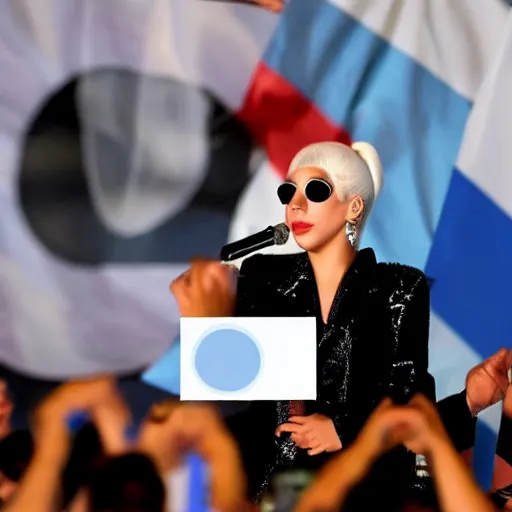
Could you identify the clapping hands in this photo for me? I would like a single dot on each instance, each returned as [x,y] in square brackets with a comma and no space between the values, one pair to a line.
[416,426]
[174,429]
[97,398]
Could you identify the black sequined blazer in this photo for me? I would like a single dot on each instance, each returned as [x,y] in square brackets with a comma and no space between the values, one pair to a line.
[375,344]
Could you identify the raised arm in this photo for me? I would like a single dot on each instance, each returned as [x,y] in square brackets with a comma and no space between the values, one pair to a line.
[486,384]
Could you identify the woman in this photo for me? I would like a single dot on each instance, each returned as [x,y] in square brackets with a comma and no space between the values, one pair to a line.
[372,318]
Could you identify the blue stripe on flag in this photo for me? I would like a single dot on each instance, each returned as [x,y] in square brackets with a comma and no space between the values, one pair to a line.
[380,95]
[198,497]
[165,373]
[470,263]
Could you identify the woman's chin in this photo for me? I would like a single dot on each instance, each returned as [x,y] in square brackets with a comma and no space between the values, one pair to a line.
[306,243]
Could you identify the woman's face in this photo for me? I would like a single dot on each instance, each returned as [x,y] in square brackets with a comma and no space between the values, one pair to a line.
[314,224]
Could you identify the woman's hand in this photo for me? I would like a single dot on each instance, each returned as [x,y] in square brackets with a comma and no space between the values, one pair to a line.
[316,433]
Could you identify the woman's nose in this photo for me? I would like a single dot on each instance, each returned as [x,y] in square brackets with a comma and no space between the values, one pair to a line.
[298,201]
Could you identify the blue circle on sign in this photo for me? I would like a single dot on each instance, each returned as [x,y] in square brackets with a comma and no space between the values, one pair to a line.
[227,359]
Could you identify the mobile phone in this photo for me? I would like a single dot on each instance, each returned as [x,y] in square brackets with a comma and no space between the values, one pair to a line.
[286,488]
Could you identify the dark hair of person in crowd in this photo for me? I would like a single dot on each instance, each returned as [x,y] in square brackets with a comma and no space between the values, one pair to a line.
[126,483]
[16,451]
[87,451]
[385,483]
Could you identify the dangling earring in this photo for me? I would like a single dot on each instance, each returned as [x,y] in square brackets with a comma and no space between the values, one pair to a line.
[351,233]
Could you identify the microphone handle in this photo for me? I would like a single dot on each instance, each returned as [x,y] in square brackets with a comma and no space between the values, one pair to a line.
[253,243]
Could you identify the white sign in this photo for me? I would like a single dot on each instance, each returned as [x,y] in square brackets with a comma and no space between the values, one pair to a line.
[248,359]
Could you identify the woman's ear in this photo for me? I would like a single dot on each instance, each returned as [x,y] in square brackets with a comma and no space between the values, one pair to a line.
[355,209]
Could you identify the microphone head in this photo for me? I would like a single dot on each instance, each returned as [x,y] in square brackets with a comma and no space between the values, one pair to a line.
[281,234]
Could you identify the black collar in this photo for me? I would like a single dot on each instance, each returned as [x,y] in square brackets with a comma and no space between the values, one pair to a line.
[357,280]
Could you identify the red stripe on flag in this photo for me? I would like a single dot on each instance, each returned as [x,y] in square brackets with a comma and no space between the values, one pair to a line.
[282,120]
[502,473]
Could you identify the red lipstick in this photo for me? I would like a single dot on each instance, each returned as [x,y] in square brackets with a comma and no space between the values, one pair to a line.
[300,228]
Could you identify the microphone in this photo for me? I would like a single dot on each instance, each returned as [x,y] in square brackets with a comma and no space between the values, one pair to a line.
[273,235]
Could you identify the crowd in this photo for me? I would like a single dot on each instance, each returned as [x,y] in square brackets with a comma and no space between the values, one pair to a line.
[83,452]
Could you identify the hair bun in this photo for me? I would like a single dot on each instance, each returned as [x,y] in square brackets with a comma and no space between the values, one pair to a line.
[369,154]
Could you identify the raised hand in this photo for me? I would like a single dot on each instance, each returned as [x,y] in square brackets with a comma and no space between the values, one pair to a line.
[99,399]
[206,289]
[417,426]
[173,429]
[487,383]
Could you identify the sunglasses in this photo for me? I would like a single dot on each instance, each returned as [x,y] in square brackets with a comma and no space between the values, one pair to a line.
[315,190]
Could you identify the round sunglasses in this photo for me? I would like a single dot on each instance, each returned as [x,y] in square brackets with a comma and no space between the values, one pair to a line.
[316,190]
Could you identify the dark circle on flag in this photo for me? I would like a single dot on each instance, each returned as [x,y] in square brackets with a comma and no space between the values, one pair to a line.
[60,201]
[228,359]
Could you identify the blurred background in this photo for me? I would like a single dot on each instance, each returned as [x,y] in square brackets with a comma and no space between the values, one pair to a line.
[135,134]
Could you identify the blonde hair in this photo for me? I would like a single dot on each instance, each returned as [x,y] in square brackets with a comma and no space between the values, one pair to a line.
[354,170]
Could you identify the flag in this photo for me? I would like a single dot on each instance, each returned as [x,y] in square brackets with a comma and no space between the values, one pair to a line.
[121,159]
[472,249]
[403,76]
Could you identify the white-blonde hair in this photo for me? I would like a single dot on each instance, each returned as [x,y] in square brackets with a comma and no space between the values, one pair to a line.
[354,170]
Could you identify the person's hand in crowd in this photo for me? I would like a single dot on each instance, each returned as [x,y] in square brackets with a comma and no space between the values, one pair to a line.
[487,383]
[5,410]
[416,426]
[206,289]
[270,5]
[316,433]
[174,429]
[98,399]
[337,478]
[388,427]
[423,432]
